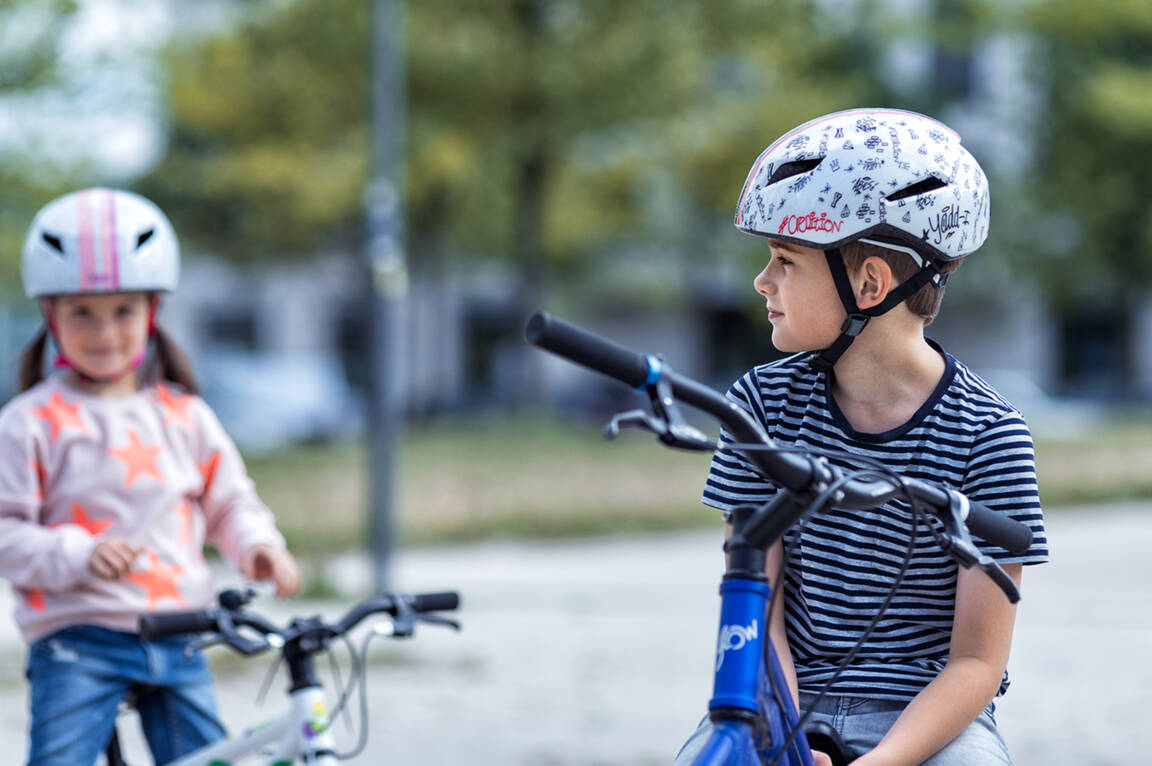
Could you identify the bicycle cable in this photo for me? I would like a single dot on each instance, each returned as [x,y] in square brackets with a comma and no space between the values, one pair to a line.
[361,672]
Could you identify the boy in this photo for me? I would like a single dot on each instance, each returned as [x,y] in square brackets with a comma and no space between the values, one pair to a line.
[867,212]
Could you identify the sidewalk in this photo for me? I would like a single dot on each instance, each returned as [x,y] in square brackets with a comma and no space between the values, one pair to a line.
[599,653]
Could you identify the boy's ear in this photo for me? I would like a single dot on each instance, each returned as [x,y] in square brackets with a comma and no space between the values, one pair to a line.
[873,282]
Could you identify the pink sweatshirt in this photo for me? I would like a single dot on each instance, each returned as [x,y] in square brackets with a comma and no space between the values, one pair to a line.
[154,467]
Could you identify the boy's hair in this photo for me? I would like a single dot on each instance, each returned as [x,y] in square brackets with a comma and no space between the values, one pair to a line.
[925,302]
[167,362]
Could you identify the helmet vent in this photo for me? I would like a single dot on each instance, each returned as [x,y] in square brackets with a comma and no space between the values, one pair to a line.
[144,237]
[794,168]
[931,183]
[53,242]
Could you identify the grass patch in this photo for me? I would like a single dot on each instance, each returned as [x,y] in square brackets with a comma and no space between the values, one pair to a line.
[540,478]
[523,477]
[1106,463]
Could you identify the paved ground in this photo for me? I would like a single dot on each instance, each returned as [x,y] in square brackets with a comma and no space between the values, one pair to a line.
[598,653]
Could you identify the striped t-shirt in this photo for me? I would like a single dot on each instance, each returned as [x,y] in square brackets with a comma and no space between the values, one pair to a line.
[843,564]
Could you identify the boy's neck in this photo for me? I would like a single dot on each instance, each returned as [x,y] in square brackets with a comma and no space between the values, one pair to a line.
[885,377]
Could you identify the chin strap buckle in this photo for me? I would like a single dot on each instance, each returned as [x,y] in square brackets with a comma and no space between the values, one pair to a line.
[854,325]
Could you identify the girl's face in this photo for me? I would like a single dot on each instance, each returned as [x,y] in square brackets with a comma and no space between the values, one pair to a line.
[102,335]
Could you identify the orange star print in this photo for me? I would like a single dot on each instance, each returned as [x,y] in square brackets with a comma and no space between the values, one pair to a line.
[35,599]
[159,581]
[81,518]
[184,509]
[139,459]
[60,416]
[42,478]
[175,406]
[208,470]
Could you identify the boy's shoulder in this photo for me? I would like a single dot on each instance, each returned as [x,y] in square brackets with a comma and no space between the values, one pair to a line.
[975,393]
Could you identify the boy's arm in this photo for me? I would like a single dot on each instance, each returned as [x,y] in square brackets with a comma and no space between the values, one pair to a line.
[777,632]
[981,637]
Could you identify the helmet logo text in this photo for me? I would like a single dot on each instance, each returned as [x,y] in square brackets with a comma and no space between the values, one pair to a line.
[944,225]
[798,224]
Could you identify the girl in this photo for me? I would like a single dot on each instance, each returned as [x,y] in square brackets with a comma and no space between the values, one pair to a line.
[113,474]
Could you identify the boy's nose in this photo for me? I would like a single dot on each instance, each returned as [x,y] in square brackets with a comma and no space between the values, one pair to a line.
[763,284]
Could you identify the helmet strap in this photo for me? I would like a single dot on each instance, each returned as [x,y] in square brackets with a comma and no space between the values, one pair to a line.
[858,318]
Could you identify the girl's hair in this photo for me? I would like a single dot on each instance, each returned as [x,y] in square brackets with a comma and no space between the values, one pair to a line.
[167,362]
[32,360]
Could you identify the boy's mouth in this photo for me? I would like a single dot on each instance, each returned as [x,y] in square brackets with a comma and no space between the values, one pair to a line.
[774,314]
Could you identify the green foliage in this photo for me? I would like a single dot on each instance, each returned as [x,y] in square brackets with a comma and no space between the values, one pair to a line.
[268,152]
[543,130]
[29,38]
[1095,154]
[30,33]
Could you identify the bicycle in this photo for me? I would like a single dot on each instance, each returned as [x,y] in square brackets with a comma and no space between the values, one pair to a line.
[302,734]
[751,728]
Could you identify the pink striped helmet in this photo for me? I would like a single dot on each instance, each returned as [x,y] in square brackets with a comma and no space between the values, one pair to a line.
[100,241]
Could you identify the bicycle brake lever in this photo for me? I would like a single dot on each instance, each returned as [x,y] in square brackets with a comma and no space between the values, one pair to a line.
[437,620]
[958,544]
[967,555]
[204,642]
[666,422]
[634,419]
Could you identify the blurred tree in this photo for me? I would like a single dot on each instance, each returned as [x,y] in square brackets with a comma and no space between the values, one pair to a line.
[268,149]
[1092,236]
[540,130]
[30,38]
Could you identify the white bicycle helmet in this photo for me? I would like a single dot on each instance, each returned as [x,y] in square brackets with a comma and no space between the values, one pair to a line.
[100,241]
[885,176]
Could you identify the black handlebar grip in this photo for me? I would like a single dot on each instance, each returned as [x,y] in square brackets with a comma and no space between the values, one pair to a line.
[153,626]
[998,529]
[435,602]
[588,349]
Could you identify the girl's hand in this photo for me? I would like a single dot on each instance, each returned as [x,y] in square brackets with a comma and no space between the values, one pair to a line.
[264,562]
[113,557]
[821,759]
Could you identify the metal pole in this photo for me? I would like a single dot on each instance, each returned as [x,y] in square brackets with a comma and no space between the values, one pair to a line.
[389,275]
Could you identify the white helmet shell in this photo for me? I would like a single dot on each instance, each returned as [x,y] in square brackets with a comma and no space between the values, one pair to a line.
[886,175]
[100,241]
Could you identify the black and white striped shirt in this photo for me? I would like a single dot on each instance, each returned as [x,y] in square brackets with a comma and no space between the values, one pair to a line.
[843,563]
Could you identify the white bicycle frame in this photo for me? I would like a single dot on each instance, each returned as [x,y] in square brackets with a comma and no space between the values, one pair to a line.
[302,734]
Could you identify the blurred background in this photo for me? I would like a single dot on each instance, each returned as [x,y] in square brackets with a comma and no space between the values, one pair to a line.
[582,156]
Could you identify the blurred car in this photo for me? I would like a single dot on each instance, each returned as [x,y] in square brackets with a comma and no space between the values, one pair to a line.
[270,400]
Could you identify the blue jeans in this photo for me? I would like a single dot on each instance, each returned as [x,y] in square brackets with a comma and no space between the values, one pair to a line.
[862,723]
[78,677]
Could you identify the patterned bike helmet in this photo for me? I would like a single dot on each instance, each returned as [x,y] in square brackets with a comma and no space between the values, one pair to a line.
[885,176]
[100,241]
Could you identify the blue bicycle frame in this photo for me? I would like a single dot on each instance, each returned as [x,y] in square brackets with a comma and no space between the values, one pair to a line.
[741,675]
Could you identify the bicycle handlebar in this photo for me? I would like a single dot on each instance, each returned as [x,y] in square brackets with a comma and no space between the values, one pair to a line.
[165,625]
[794,471]
[223,619]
